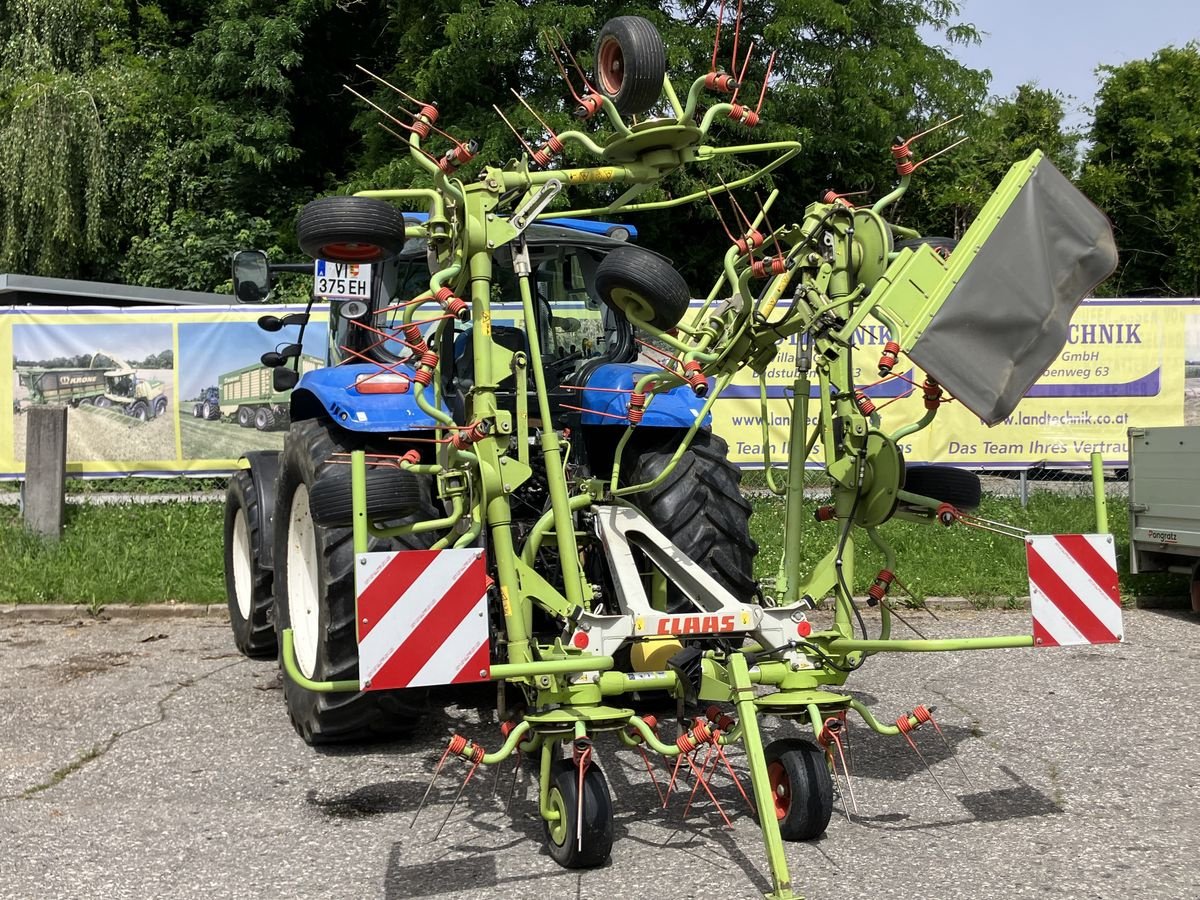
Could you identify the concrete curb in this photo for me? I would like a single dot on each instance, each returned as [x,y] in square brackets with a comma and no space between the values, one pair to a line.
[66,612]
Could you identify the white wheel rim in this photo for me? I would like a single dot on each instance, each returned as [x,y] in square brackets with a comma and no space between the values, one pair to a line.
[243,565]
[303,582]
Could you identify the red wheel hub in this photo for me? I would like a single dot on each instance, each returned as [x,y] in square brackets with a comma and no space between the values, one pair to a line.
[610,67]
[781,788]
[351,251]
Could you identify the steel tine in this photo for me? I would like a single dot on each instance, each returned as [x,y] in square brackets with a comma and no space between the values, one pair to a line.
[734,776]
[650,770]
[703,771]
[953,754]
[512,785]
[837,778]
[921,757]
[711,795]
[849,780]
[437,771]
[450,811]
[674,776]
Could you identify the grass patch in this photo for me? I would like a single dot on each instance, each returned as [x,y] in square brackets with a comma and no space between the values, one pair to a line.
[154,553]
[133,485]
[959,562]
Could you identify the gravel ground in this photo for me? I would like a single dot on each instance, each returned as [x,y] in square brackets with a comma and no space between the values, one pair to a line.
[144,758]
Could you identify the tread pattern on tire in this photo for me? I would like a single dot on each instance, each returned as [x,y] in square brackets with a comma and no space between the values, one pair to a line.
[335,717]
[957,487]
[700,508]
[254,637]
[647,274]
[391,494]
[644,63]
[810,821]
[350,220]
[598,817]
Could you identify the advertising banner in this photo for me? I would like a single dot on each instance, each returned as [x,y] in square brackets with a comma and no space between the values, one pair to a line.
[181,389]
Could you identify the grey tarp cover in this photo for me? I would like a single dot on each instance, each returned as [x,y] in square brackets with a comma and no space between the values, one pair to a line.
[1006,320]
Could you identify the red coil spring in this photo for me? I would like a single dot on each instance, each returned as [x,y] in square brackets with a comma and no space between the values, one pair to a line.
[903,156]
[743,115]
[429,359]
[412,457]
[891,350]
[458,155]
[637,407]
[548,151]
[588,106]
[904,725]
[764,268]
[425,119]
[423,377]
[458,744]
[581,751]
[824,513]
[468,436]
[695,377]
[922,715]
[699,735]
[879,588]
[865,404]
[752,241]
[933,393]
[456,306]
[651,722]
[832,196]
[412,334]
[723,721]
[720,82]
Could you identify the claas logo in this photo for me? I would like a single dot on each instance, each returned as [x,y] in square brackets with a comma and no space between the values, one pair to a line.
[696,624]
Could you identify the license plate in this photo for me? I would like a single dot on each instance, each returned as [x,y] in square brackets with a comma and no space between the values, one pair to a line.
[342,281]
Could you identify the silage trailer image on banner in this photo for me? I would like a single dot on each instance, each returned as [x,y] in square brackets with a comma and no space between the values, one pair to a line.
[248,396]
[463,501]
[116,385]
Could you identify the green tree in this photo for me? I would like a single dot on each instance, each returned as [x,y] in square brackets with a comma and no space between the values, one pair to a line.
[1143,169]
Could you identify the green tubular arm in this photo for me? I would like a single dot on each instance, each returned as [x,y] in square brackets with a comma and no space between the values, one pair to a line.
[874,723]
[673,98]
[293,671]
[538,533]
[650,738]
[886,201]
[766,436]
[428,408]
[942,645]
[710,115]
[449,521]
[568,666]
[889,563]
[693,98]
[914,427]
[437,206]
[510,744]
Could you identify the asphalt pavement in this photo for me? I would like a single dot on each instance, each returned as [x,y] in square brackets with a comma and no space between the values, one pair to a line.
[145,758]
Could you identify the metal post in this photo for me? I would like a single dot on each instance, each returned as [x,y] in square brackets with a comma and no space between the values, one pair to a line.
[1024,488]
[45,471]
[1098,494]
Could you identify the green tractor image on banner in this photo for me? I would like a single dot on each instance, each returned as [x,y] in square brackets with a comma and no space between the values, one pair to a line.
[113,385]
[470,491]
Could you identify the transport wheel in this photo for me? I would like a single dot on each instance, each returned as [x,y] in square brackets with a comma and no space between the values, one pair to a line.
[140,410]
[945,483]
[700,508]
[350,229]
[943,245]
[636,281]
[197,410]
[103,402]
[801,787]
[247,584]
[160,406]
[86,401]
[245,416]
[264,419]
[211,411]
[391,494]
[314,595]
[562,835]
[631,63]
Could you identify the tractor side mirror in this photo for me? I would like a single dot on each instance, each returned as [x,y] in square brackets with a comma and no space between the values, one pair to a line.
[275,358]
[251,276]
[284,379]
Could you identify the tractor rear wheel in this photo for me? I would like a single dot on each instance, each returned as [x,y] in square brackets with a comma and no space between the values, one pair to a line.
[801,788]
[211,411]
[247,583]
[314,596]
[350,229]
[700,508]
[160,406]
[197,410]
[140,410]
[563,835]
[245,416]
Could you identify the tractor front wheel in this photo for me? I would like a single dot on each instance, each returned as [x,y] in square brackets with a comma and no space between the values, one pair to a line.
[801,788]
[570,845]
[247,583]
[314,596]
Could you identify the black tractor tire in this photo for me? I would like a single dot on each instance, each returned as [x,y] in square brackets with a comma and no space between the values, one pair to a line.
[350,229]
[699,508]
[326,718]
[247,583]
[245,416]
[631,62]
[140,410]
[197,410]
[561,836]
[801,787]
[943,246]
[264,418]
[957,487]
[211,411]
[391,494]
[634,280]
[102,402]
[160,406]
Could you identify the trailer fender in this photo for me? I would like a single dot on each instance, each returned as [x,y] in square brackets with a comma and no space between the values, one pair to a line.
[264,466]
[332,392]
[676,408]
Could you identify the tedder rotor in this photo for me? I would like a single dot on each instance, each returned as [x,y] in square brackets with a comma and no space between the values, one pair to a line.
[507,473]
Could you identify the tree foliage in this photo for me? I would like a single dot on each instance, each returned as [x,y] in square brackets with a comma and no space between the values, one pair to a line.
[1143,169]
[145,141]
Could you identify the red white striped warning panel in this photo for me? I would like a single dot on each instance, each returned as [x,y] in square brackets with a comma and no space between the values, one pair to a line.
[422,618]
[1073,589]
